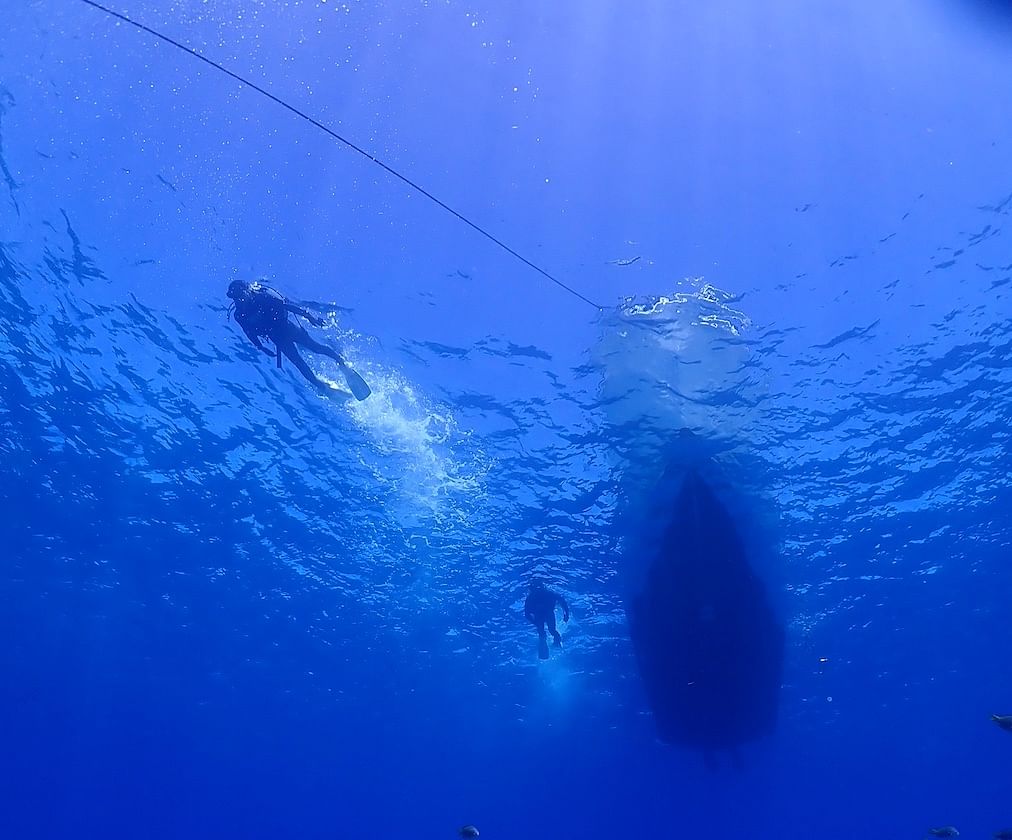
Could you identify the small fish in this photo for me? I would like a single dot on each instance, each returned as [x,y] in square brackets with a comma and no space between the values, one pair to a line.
[1003,722]
[629,261]
[468,832]
[1004,834]
[944,831]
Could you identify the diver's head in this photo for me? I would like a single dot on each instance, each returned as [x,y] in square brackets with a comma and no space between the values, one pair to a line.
[537,584]
[237,289]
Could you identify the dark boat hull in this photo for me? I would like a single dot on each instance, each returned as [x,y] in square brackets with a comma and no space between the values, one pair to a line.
[707,641]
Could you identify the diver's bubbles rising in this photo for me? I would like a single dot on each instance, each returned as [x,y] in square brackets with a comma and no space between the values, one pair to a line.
[414,441]
[558,681]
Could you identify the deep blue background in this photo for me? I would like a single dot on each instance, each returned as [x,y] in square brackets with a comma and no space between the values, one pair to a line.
[229,608]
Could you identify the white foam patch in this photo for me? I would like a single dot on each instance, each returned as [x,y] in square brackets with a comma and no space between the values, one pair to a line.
[558,680]
[412,437]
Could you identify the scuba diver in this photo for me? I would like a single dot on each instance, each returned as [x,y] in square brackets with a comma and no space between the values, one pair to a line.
[262,312]
[539,610]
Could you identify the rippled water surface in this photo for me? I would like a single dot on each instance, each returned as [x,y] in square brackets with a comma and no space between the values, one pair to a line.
[232,607]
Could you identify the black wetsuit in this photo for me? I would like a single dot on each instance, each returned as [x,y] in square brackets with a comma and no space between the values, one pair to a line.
[263,313]
[539,608]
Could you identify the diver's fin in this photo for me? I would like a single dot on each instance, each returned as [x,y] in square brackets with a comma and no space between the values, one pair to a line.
[356,384]
[329,388]
[338,394]
[542,647]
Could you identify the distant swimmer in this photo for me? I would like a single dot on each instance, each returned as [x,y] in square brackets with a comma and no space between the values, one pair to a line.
[468,832]
[262,312]
[1003,722]
[944,831]
[539,609]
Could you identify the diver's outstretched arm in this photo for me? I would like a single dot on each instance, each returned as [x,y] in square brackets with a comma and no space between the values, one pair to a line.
[565,607]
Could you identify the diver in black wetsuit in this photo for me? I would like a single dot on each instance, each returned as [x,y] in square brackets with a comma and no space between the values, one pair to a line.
[263,313]
[539,609]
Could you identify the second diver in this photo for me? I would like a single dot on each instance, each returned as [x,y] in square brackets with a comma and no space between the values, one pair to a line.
[539,610]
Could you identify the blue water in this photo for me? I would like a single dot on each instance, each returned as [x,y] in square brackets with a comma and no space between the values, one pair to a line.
[232,608]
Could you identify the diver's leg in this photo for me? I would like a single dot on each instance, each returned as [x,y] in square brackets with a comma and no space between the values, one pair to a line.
[292,354]
[542,641]
[554,630]
[299,335]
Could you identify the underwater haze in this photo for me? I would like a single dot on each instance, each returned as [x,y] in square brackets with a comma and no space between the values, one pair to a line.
[233,607]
